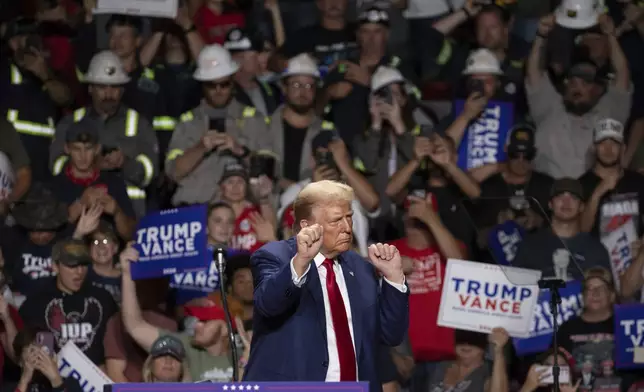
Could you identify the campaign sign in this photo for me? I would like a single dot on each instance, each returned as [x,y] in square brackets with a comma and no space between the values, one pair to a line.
[73,363]
[542,324]
[629,336]
[479,297]
[170,242]
[503,241]
[203,280]
[243,386]
[484,139]
[155,8]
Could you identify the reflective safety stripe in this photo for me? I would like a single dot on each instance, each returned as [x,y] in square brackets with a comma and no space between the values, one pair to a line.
[148,73]
[148,168]
[395,62]
[267,120]
[59,163]
[164,123]
[266,88]
[187,116]
[445,53]
[31,128]
[135,193]
[416,130]
[328,125]
[131,123]
[16,76]
[80,75]
[249,111]
[79,114]
[359,165]
[173,154]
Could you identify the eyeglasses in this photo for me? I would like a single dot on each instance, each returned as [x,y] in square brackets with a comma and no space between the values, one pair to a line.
[104,241]
[300,86]
[597,290]
[224,84]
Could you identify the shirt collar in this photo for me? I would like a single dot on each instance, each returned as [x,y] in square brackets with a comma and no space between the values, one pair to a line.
[319,259]
[81,181]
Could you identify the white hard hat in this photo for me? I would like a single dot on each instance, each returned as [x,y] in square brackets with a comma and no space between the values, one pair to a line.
[106,68]
[482,61]
[578,14]
[214,63]
[384,76]
[302,64]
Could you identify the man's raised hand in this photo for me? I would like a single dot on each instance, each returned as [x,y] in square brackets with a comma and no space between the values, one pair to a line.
[309,241]
[387,261]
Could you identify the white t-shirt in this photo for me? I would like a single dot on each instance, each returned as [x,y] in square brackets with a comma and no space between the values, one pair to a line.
[430,8]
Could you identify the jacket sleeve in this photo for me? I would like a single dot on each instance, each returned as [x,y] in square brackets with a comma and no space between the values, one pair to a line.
[366,152]
[57,156]
[260,134]
[182,139]
[394,314]
[275,291]
[141,169]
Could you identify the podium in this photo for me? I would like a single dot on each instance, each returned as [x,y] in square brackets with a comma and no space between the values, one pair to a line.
[241,387]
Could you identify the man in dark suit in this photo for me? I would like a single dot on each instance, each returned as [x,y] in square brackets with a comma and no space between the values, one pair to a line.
[321,310]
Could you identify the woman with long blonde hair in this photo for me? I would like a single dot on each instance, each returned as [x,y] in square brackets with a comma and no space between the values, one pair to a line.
[166,362]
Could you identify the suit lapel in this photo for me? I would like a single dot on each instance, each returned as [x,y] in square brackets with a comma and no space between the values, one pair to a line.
[315,290]
[355,299]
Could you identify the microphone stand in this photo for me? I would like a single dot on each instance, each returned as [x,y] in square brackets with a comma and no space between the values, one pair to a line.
[221,267]
[555,300]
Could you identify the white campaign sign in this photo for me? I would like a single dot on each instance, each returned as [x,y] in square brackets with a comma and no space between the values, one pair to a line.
[157,8]
[73,363]
[6,176]
[479,297]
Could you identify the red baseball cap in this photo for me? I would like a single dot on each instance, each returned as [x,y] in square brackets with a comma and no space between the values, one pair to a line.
[207,313]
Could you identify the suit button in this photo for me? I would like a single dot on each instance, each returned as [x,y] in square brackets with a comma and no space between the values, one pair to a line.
[325,364]
[288,292]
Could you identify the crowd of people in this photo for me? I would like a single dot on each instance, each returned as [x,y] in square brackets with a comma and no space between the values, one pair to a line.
[241,104]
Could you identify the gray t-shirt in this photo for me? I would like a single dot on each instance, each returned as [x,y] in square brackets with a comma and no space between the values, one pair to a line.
[203,366]
[474,382]
[537,250]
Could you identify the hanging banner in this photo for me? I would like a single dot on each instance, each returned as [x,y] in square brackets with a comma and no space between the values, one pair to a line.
[618,228]
[542,326]
[484,139]
[170,242]
[503,241]
[479,297]
[73,363]
[629,336]
[154,8]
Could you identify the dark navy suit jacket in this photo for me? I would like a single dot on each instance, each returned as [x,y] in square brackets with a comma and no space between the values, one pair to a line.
[289,327]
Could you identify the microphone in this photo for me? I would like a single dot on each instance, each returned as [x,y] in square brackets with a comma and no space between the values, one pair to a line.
[220,257]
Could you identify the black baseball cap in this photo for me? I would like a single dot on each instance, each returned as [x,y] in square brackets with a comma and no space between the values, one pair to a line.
[375,15]
[567,185]
[21,26]
[71,253]
[241,40]
[471,338]
[168,345]
[234,169]
[84,131]
[584,70]
[521,139]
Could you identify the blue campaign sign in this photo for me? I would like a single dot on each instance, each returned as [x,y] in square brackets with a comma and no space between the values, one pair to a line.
[484,139]
[629,336]
[503,241]
[541,331]
[243,387]
[171,241]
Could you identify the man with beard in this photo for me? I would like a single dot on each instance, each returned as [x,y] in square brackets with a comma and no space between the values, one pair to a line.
[564,126]
[220,130]
[295,123]
[563,242]
[129,144]
[615,192]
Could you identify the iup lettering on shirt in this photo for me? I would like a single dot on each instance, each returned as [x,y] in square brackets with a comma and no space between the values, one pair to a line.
[76,325]
[244,236]
[495,297]
[36,267]
[427,275]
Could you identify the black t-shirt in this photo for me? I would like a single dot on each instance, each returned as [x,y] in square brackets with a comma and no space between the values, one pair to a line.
[627,199]
[537,252]
[592,346]
[497,195]
[68,191]
[110,284]
[293,143]
[326,46]
[80,317]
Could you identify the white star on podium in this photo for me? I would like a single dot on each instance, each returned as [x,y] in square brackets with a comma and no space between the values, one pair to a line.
[233,387]
[256,387]
[225,387]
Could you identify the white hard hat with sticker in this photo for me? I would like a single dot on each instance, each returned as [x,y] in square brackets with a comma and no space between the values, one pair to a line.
[482,61]
[578,14]
[301,64]
[214,62]
[107,69]
[384,76]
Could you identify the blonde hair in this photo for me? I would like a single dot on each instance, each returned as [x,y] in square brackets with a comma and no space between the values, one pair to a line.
[599,273]
[148,377]
[320,192]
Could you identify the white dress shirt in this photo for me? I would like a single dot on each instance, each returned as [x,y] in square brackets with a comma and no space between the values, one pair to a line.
[333,371]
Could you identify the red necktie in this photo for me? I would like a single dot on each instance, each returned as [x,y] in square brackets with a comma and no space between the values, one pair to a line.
[343,339]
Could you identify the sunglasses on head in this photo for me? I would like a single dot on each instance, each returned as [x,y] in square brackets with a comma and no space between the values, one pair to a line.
[527,155]
[222,84]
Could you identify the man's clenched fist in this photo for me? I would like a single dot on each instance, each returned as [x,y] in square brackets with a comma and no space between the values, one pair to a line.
[309,242]
[387,261]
